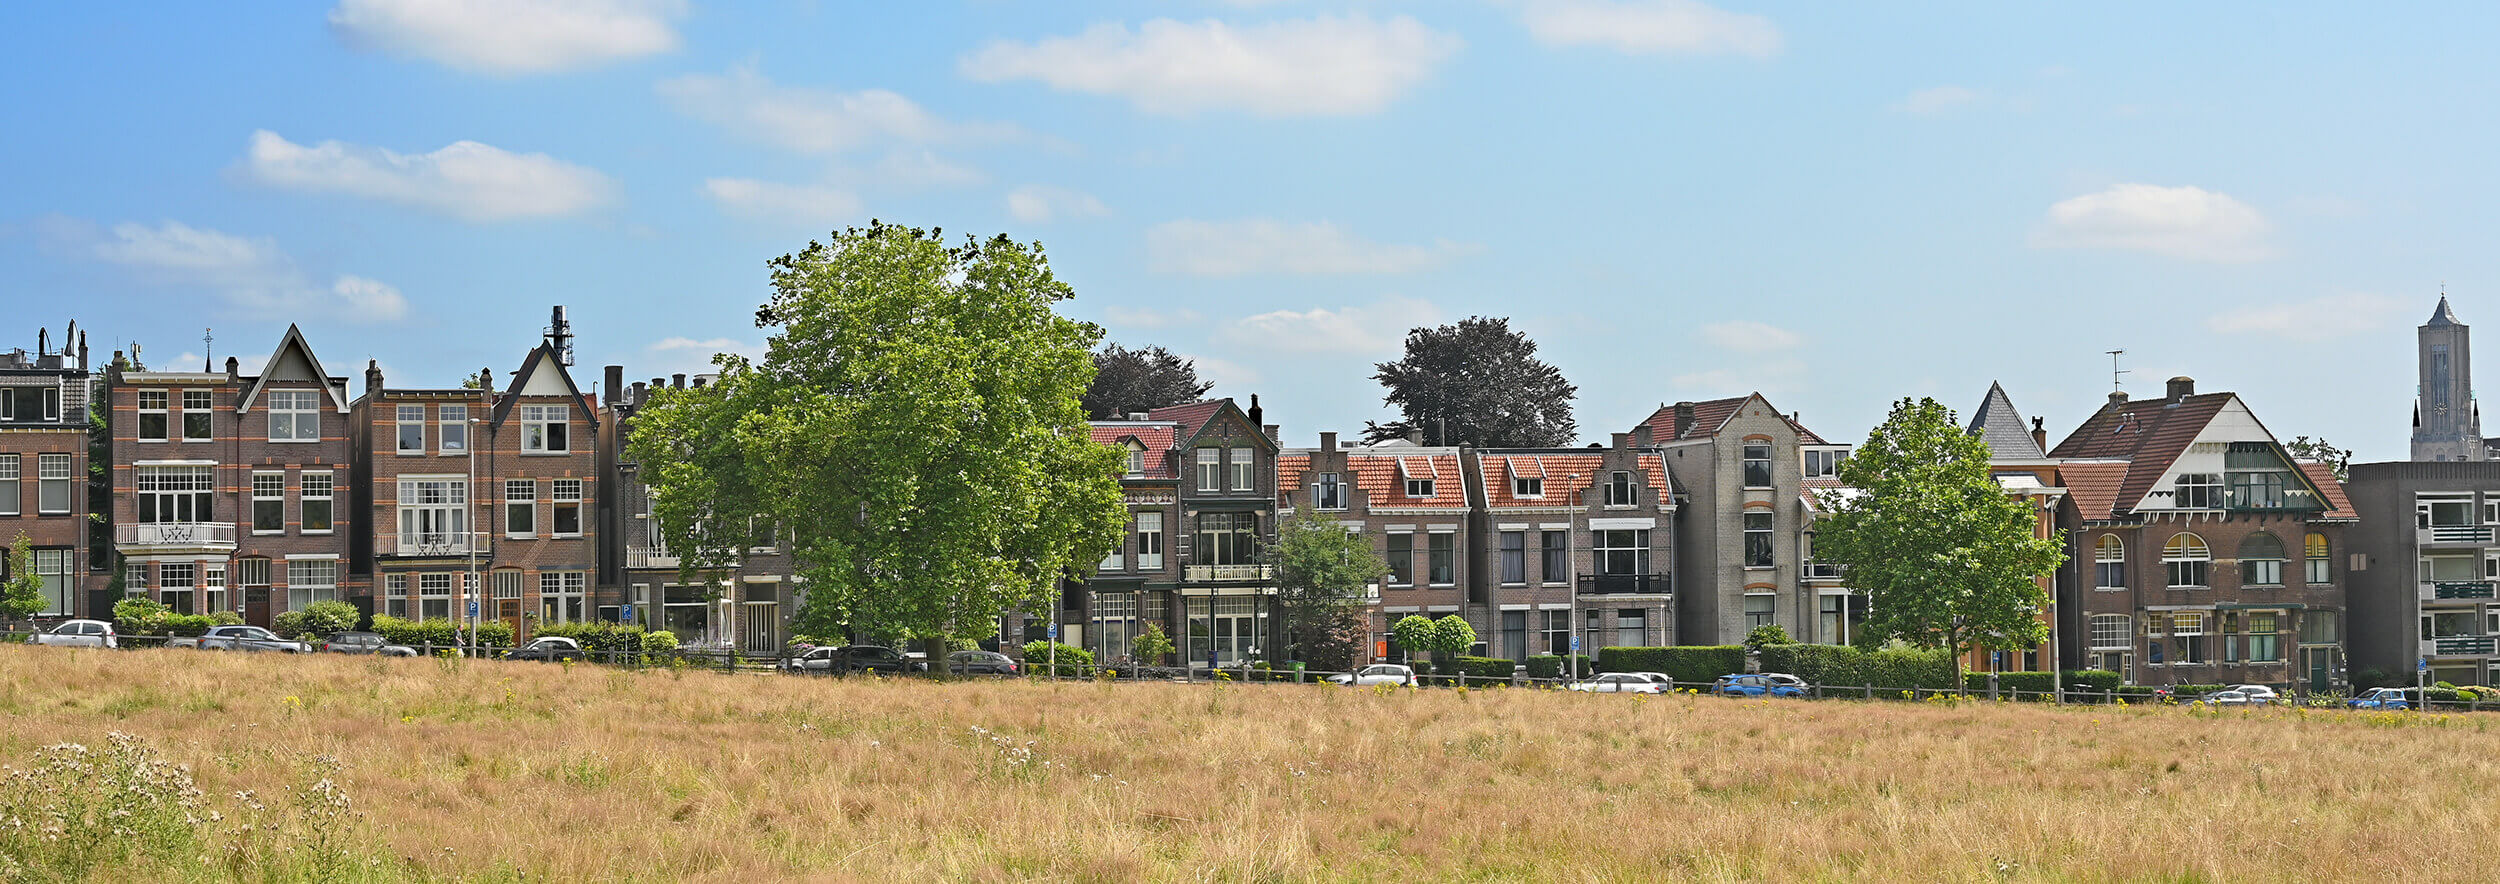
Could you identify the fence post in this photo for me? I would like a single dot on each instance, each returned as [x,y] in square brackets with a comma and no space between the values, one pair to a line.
[1870,691]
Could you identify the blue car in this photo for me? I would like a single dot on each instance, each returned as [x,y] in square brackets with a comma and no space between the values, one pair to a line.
[1765,684]
[2379,698]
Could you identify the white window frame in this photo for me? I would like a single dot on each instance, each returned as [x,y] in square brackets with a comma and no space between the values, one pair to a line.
[204,404]
[301,413]
[395,595]
[2207,496]
[311,580]
[52,482]
[512,505]
[451,434]
[194,486]
[565,494]
[1244,465]
[157,404]
[433,506]
[53,565]
[541,425]
[307,483]
[1210,468]
[2199,553]
[1118,559]
[561,596]
[2318,569]
[2113,632]
[213,587]
[1136,459]
[1527,487]
[411,419]
[2109,550]
[12,494]
[434,589]
[269,490]
[1149,540]
[1328,493]
[178,579]
[1620,490]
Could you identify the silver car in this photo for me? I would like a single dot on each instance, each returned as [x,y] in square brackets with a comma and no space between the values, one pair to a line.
[1377,673]
[1622,683]
[80,634]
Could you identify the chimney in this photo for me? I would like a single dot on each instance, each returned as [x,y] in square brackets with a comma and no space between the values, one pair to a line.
[234,368]
[1255,412]
[2182,387]
[1274,432]
[560,337]
[1683,419]
[1640,436]
[1328,441]
[2117,397]
[373,377]
[485,381]
[82,350]
[641,394]
[1415,434]
[615,376]
[677,381]
[1622,441]
[2039,434]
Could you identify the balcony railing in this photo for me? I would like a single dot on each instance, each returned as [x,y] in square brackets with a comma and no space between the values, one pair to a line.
[1820,570]
[2466,534]
[421,545]
[1223,573]
[191,534]
[2473,589]
[1608,584]
[638,557]
[2462,646]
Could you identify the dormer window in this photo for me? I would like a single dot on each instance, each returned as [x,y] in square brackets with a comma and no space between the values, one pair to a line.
[1329,492]
[1419,473]
[1619,489]
[1136,459]
[1527,477]
[1527,486]
[1419,487]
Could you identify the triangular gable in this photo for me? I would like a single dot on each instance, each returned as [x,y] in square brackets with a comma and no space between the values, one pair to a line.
[541,374]
[292,361]
[2228,421]
[1199,419]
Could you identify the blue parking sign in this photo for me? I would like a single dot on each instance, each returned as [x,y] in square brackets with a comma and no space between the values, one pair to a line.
[626,614]
[1575,644]
[1054,632]
[472,607]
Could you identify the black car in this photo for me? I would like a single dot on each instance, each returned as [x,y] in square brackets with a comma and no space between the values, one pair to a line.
[849,658]
[365,643]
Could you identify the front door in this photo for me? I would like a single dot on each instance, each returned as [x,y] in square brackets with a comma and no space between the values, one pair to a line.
[509,611]
[2320,662]
[256,605]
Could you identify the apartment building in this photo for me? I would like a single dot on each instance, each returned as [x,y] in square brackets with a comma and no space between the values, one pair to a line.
[2425,564]
[745,604]
[44,486]
[1417,504]
[1567,536]
[1136,584]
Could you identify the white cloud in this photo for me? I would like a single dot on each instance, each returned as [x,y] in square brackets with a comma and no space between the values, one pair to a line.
[774,201]
[1262,245]
[511,36]
[2181,222]
[922,168]
[2317,319]
[1038,203]
[1318,66]
[815,121]
[1148,317]
[252,274]
[1650,26]
[1378,328]
[1936,100]
[679,354]
[1748,336]
[1224,374]
[477,182]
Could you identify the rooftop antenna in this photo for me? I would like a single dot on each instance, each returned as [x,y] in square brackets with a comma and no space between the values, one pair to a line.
[2114,370]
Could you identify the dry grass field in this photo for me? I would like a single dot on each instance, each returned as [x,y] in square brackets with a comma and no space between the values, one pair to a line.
[498,771]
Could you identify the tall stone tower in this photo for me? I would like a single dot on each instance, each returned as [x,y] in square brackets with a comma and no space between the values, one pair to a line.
[2446,423]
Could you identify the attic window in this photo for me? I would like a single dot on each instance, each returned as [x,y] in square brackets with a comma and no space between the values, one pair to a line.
[1527,477]
[1527,486]
[1418,487]
[1419,474]
[1136,459]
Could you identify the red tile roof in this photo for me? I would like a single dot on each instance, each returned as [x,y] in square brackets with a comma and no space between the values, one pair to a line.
[1157,439]
[1556,469]
[2150,435]
[1382,476]
[2337,505]
[1289,471]
[2093,486]
[1709,416]
[1192,417]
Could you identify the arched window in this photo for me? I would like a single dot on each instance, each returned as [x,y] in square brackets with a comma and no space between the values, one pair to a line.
[2261,560]
[2321,565]
[2186,558]
[2109,562]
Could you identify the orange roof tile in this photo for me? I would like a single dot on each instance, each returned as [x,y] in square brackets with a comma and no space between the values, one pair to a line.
[2093,486]
[2337,505]
[1382,477]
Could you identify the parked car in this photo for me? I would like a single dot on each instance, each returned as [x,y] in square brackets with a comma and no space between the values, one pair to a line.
[241,638]
[365,643]
[80,634]
[980,663]
[2228,698]
[1377,673]
[1759,684]
[1622,683]
[549,648]
[2380,698]
[847,659]
[2259,695]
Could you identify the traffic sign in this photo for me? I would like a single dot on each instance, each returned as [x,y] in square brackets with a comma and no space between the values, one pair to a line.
[2424,666]
[1575,644]
[472,607]
[1054,632]
[626,614]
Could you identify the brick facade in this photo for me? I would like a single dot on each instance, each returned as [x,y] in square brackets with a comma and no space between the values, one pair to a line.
[44,481]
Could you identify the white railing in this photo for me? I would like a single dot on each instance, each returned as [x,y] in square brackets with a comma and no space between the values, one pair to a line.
[1214,573]
[2477,534]
[638,557]
[176,534]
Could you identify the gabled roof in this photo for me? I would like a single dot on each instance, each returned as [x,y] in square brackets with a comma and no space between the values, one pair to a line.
[1712,415]
[1998,424]
[521,379]
[1195,417]
[1155,438]
[2323,475]
[1383,477]
[292,342]
[2149,434]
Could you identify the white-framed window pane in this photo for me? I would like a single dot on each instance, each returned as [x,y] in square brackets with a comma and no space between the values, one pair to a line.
[520,503]
[53,472]
[1149,540]
[314,494]
[53,565]
[11,495]
[543,428]
[453,434]
[294,416]
[412,429]
[1244,461]
[199,411]
[268,503]
[1210,469]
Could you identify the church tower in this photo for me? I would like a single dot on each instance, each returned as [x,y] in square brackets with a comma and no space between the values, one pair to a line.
[2446,423]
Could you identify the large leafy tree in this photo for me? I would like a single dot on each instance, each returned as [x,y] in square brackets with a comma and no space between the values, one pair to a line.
[1476,382]
[913,428]
[1144,379]
[1945,557]
[2322,451]
[1323,574]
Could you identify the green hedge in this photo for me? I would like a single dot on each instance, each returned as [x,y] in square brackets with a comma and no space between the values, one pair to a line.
[603,638]
[1072,660]
[2091,680]
[1842,666]
[1486,667]
[438,632]
[1558,666]
[1692,663]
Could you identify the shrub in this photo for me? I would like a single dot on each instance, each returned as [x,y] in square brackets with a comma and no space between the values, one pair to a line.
[1413,633]
[1839,666]
[2016,684]
[325,619]
[1151,646]
[289,625]
[186,625]
[138,616]
[225,618]
[1550,665]
[1693,663]
[1766,635]
[1072,660]
[2091,679]
[1486,667]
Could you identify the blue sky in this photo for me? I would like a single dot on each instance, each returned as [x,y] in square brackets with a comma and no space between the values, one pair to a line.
[1837,205]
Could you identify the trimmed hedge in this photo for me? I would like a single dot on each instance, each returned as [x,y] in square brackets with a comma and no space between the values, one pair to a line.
[1842,666]
[1558,665]
[2092,679]
[438,632]
[1485,667]
[1693,663]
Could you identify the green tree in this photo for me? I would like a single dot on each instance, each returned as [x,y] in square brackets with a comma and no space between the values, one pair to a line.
[1452,635]
[1151,646]
[914,427]
[1323,574]
[1144,379]
[1413,633]
[1476,382]
[2322,451]
[1945,557]
[21,594]
[1766,635]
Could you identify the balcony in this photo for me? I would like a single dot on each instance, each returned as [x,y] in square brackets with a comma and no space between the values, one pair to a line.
[2476,589]
[2452,535]
[421,545]
[188,535]
[1626,584]
[1226,573]
[1820,571]
[2462,646]
[638,557]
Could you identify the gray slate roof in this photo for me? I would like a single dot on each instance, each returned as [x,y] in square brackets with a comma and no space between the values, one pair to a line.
[1998,424]
[2443,316]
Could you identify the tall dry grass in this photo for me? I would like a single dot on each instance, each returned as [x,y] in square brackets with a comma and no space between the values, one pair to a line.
[493,770]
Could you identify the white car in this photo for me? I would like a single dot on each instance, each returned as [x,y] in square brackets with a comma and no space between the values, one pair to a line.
[80,634]
[1377,673]
[2258,695]
[2227,698]
[1622,683]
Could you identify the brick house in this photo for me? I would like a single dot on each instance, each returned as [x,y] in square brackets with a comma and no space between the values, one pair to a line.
[415,462]
[226,485]
[1565,536]
[538,469]
[746,605]
[1740,468]
[1416,504]
[1226,595]
[1136,584]
[2202,552]
[43,466]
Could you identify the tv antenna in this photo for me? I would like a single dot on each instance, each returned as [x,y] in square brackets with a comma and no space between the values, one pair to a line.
[2114,370]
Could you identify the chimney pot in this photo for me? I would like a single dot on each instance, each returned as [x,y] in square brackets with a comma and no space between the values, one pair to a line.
[1622,441]
[234,368]
[1641,436]
[2039,434]
[615,377]
[677,380]
[1256,414]
[2182,387]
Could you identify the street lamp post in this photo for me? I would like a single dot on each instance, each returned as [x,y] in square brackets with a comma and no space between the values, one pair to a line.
[1571,567]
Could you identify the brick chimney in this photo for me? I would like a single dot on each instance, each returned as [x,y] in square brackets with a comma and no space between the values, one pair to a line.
[2039,434]
[1683,418]
[373,377]
[1622,441]
[1328,441]
[2182,387]
[615,377]
[1641,436]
